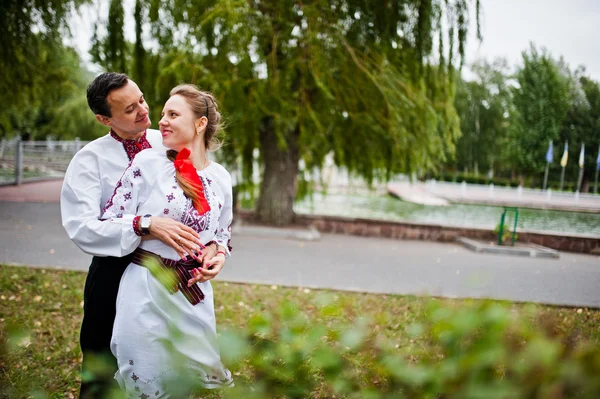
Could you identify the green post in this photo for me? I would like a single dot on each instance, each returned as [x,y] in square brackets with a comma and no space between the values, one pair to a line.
[515,226]
[501,228]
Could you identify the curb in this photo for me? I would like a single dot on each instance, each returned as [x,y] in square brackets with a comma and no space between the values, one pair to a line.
[532,250]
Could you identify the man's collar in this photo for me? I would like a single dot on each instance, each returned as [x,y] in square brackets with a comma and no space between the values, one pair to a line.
[115,136]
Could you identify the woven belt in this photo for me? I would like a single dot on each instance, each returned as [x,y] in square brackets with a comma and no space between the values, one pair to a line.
[173,274]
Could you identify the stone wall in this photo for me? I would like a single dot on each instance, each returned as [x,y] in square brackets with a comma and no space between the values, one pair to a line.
[585,244]
[432,232]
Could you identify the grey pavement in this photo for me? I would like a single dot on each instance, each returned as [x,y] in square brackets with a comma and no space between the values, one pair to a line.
[31,234]
[434,193]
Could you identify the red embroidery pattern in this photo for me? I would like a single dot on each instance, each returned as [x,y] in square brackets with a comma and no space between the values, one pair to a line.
[192,218]
[110,201]
[132,147]
[136,230]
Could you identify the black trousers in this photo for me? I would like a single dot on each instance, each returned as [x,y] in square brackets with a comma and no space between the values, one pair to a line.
[99,309]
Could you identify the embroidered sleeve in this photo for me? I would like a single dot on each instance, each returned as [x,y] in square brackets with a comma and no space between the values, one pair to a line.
[81,208]
[223,233]
[121,208]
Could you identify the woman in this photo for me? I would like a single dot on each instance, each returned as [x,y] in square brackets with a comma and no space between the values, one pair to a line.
[165,328]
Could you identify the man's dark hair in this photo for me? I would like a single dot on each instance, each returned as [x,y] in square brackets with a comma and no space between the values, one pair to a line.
[100,88]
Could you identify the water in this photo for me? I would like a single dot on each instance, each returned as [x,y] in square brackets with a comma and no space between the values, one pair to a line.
[385,207]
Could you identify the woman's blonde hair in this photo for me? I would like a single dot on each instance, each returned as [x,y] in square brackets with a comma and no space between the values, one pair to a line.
[203,104]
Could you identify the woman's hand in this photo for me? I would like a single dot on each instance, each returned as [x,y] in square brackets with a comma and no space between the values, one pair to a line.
[178,236]
[208,252]
[209,269]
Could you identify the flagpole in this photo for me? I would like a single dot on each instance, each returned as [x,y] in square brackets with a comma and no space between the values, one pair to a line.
[597,169]
[563,163]
[581,164]
[549,159]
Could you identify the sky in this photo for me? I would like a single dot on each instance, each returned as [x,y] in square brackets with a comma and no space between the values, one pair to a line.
[566,28]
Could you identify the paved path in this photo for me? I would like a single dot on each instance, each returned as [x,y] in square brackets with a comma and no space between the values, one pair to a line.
[31,234]
[43,191]
[431,192]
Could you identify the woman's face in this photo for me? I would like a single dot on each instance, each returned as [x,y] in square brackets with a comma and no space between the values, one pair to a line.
[178,124]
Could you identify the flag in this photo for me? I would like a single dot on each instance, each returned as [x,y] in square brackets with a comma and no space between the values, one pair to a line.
[582,155]
[598,159]
[550,153]
[565,157]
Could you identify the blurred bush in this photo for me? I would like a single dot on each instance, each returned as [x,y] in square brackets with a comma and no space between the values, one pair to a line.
[478,349]
[483,350]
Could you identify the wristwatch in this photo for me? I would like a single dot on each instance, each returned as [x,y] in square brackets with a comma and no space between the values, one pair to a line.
[145,222]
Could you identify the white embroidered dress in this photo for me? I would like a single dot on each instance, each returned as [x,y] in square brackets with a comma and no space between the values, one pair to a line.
[158,335]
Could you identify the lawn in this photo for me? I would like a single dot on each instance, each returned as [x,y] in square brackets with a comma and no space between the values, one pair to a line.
[41,311]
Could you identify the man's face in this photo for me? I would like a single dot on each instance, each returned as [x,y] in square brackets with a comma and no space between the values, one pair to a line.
[129,110]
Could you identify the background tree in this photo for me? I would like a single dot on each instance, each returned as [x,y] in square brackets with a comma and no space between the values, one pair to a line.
[301,80]
[541,101]
[113,51]
[31,33]
[582,125]
[483,105]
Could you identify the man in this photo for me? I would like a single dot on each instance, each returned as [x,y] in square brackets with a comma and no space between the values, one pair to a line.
[89,183]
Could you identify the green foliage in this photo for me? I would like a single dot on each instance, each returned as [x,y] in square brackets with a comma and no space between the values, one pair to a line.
[345,344]
[506,129]
[344,77]
[43,81]
[113,51]
[478,350]
[483,105]
[30,57]
[541,102]
[582,125]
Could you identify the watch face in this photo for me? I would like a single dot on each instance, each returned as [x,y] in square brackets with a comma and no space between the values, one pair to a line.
[145,223]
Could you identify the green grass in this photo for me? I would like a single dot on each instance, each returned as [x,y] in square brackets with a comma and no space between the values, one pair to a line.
[41,311]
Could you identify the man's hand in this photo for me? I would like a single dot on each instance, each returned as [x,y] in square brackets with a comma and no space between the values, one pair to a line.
[178,236]
[208,271]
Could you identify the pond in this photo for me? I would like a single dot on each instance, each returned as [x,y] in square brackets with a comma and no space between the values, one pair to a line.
[385,207]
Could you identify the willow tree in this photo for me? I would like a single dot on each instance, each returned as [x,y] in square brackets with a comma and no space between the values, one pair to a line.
[299,80]
[112,50]
[31,33]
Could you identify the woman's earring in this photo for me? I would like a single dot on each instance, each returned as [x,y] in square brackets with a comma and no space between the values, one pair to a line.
[198,132]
